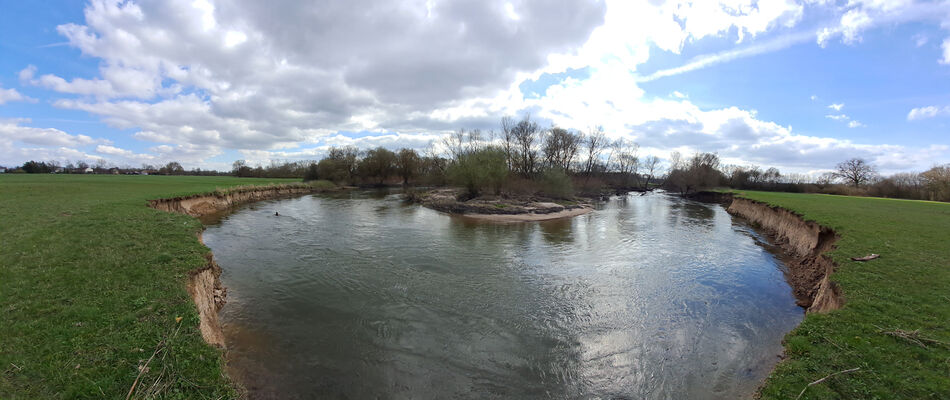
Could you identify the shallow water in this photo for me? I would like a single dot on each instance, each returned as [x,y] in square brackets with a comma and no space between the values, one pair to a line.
[358,295]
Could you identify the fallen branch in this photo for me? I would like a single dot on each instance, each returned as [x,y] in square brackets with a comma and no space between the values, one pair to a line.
[823,379]
[144,368]
[912,336]
[868,257]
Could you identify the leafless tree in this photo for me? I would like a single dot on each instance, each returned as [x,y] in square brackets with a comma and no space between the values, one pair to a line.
[594,143]
[651,165]
[624,153]
[560,148]
[508,140]
[855,171]
[455,143]
[526,137]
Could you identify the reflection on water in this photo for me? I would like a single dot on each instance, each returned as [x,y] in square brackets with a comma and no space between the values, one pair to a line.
[358,295]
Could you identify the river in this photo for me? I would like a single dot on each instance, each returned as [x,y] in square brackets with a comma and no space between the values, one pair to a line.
[358,295]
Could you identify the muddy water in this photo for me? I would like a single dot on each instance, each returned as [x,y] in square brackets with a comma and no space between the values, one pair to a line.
[358,295]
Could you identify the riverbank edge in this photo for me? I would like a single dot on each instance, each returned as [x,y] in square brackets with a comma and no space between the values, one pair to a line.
[803,242]
[204,284]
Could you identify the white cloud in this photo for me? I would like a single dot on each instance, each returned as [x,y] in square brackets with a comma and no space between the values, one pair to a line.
[11,130]
[836,107]
[946,52]
[855,124]
[813,97]
[862,15]
[837,117]
[8,95]
[927,112]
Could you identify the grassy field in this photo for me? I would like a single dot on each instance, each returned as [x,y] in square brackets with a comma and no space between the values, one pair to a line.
[92,283]
[895,325]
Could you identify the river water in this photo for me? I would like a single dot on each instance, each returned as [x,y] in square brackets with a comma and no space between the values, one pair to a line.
[358,295]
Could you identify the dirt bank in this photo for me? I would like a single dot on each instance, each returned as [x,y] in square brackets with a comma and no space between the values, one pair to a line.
[203,204]
[204,284]
[206,290]
[809,269]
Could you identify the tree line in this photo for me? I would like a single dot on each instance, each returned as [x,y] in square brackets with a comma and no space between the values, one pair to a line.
[524,158]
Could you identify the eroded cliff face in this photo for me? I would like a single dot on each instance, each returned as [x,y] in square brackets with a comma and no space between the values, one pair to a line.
[204,204]
[204,284]
[206,290]
[806,242]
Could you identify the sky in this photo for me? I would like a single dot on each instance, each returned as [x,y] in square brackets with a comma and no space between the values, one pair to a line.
[797,85]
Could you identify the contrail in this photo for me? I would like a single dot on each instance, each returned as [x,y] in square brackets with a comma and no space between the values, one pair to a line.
[707,60]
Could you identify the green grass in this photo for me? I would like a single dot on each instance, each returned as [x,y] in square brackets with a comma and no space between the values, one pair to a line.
[91,281]
[908,288]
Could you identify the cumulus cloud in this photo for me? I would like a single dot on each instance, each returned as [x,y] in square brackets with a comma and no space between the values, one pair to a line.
[855,124]
[836,106]
[267,75]
[927,112]
[8,95]
[838,117]
[12,130]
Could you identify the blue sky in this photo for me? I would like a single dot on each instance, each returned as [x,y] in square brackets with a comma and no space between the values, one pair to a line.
[796,85]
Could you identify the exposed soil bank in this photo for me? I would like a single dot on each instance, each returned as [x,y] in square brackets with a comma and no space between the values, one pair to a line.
[204,284]
[500,209]
[203,204]
[809,269]
[206,290]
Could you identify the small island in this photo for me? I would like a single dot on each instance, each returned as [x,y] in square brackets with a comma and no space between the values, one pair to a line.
[501,208]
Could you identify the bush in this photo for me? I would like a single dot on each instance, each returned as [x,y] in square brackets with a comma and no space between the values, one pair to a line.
[556,184]
[486,169]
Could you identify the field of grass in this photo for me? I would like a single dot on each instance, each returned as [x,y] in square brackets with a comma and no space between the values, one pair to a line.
[895,325]
[92,282]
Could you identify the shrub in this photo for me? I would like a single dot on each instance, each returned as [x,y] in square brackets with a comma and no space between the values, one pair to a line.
[556,184]
[486,169]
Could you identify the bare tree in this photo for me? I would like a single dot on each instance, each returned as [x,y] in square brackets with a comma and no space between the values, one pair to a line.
[508,140]
[651,166]
[595,142]
[455,143]
[855,172]
[560,148]
[526,135]
[624,152]
[407,164]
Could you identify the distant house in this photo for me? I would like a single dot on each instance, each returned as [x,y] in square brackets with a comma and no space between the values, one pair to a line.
[114,171]
[87,170]
[3,170]
[58,170]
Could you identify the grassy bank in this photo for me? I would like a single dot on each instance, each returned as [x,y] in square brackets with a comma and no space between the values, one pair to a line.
[91,284]
[895,325]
